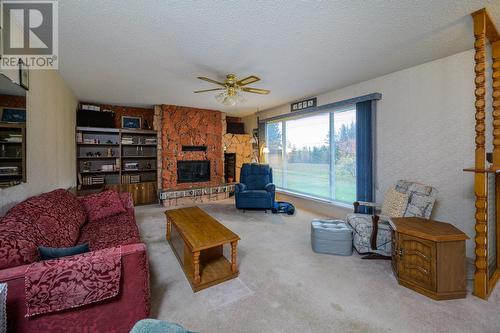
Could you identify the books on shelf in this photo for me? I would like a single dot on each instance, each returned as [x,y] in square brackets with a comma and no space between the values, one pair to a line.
[92,180]
[115,165]
[127,140]
[131,179]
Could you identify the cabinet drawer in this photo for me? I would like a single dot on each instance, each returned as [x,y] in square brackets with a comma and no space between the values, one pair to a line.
[417,261]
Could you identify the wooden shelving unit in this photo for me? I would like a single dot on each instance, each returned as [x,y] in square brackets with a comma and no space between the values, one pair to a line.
[12,154]
[102,155]
[486,277]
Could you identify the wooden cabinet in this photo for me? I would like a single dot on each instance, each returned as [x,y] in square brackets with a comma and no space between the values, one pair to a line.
[142,193]
[429,257]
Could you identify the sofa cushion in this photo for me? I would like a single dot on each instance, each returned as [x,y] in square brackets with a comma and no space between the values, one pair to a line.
[422,198]
[112,231]
[394,203]
[47,253]
[101,205]
[50,219]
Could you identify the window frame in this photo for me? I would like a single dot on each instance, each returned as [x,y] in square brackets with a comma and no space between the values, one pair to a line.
[332,168]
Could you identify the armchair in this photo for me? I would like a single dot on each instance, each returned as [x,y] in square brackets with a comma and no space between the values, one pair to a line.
[256,189]
[372,232]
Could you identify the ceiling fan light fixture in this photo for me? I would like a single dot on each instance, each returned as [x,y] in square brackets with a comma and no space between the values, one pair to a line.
[233,90]
[226,99]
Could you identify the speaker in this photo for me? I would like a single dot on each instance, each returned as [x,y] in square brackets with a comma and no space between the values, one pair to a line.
[236,128]
[87,118]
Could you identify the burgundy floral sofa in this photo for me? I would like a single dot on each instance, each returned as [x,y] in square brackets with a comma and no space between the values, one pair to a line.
[59,219]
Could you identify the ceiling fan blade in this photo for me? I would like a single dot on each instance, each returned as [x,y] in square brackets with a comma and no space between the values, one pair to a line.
[248,80]
[200,91]
[211,81]
[256,91]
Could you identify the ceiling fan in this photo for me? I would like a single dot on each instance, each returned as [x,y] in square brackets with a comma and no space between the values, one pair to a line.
[232,88]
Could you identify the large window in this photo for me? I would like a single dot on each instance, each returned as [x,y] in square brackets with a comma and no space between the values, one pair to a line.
[315,155]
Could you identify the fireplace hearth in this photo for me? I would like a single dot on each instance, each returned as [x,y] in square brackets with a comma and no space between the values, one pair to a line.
[193,171]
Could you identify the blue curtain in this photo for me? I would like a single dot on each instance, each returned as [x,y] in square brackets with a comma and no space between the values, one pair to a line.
[364,153]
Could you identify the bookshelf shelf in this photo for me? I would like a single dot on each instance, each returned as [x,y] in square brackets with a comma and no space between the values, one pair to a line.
[98,144]
[12,154]
[130,147]
[99,171]
[97,158]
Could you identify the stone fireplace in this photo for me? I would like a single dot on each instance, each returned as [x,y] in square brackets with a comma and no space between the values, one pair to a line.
[195,148]
[241,146]
[191,135]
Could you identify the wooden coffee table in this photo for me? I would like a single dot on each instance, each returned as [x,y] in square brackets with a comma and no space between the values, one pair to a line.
[197,240]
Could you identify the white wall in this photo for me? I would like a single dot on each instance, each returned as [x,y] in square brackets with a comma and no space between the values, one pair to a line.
[425,132]
[51,119]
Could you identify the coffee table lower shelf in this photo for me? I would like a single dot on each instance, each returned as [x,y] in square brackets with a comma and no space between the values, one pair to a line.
[213,269]
[212,272]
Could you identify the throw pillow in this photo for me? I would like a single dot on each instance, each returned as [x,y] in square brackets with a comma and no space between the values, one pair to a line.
[102,205]
[394,203]
[47,253]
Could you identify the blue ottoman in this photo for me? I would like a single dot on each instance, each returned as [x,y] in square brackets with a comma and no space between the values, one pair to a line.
[157,326]
[331,236]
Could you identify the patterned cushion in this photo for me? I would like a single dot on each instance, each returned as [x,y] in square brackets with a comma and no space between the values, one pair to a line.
[394,203]
[128,202]
[420,206]
[101,205]
[362,226]
[422,198]
[47,253]
[112,231]
[51,219]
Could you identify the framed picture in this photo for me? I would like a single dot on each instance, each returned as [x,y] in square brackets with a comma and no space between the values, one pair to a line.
[24,78]
[131,122]
[12,115]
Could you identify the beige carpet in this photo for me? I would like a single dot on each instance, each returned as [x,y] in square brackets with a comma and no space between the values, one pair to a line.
[285,287]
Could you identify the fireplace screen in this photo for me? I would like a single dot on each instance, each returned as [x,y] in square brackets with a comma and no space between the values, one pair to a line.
[193,171]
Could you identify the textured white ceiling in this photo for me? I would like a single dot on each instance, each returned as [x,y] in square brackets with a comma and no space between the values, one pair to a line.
[148,52]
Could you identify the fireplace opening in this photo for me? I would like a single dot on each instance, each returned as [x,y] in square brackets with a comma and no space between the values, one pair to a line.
[229,167]
[193,171]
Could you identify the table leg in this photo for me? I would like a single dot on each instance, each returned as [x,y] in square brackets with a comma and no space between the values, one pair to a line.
[196,264]
[233,256]
[169,228]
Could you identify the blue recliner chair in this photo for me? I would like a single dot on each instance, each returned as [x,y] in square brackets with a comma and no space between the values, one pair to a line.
[256,189]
